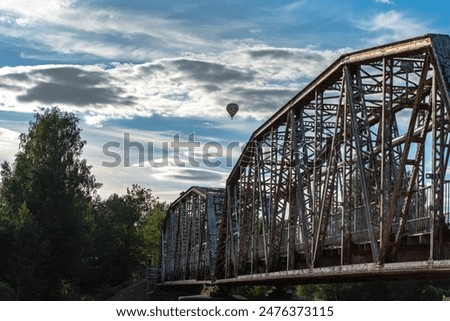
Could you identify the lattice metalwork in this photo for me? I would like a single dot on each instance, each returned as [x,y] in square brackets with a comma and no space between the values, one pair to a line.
[189,235]
[351,170]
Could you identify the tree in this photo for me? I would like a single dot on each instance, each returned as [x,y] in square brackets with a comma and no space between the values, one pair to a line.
[125,229]
[376,290]
[27,251]
[150,231]
[59,239]
[50,188]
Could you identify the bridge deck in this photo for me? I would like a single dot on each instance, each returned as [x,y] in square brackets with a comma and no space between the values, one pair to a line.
[346,273]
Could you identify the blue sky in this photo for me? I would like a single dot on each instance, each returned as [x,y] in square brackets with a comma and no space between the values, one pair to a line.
[140,72]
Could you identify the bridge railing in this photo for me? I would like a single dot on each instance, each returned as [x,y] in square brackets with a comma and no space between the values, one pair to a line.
[418,223]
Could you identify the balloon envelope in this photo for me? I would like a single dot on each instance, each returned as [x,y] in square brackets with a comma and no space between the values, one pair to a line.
[232,109]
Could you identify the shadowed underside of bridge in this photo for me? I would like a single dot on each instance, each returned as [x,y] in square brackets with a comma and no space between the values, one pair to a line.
[347,180]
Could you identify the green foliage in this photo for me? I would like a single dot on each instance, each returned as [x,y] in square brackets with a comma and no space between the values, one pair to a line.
[210,290]
[27,251]
[44,196]
[254,291]
[124,231]
[376,290]
[149,229]
[59,239]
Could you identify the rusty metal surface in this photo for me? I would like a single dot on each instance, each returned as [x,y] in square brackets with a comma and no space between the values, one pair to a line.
[349,169]
[349,174]
[189,235]
[356,272]
[346,273]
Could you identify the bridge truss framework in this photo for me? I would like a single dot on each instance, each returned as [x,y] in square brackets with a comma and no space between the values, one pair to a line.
[351,171]
[353,163]
[189,235]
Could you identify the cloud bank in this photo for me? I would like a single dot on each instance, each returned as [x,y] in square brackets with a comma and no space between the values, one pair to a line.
[259,78]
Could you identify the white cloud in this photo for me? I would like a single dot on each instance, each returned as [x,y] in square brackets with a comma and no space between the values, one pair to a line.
[9,143]
[8,135]
[189,175]
[384,1]
[258,77]
[69,27]
[166,181]
[292,7]
[391,26]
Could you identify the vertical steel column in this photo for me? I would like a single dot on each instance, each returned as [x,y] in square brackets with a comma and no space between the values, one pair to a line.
[303,189]
[263,198]
[329,187]
[360,160]
[398,191]
[347,175]
[246,213]
[386,144]
[439,166]
[281,197]
[212,234]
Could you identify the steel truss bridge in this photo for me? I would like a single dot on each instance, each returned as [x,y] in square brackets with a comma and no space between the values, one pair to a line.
[346,181]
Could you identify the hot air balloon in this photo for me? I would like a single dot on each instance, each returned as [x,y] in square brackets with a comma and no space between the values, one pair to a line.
[232,109]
